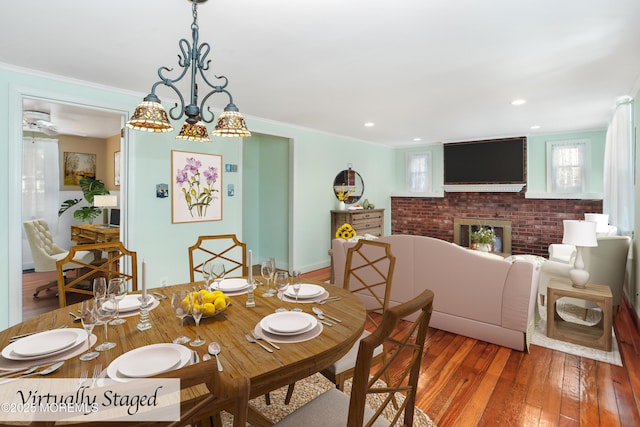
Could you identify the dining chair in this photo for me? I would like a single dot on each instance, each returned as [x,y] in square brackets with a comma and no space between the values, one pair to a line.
[404,343]
[119,262]
[225,248]
[46,253]
[369,274]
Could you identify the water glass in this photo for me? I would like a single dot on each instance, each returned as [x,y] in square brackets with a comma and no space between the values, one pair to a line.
[206,273]
[181,305]
[296,283]
[105,312]
[197,303]
[118,288]
[99,287]
[281,281]
[89,320]
[217,273]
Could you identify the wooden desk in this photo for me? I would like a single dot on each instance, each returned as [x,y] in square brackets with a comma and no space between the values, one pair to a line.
[596,336]
[267,371]
[94,233]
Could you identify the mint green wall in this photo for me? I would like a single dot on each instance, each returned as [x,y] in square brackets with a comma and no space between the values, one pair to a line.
[315,159]
[537,159]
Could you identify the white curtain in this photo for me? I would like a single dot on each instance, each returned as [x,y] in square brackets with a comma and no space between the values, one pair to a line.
[618,168]
[41,181]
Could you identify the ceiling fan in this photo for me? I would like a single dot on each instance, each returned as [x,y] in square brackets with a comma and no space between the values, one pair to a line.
[38,121]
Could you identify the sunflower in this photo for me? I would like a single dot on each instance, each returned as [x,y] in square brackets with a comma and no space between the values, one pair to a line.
[345,232]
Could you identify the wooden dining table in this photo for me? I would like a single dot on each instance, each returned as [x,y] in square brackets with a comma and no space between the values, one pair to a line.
[266,371]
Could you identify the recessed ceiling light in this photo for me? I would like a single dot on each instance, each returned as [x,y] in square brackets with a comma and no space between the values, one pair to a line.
[535,127]
[518,102]
[369,124]
[417,139]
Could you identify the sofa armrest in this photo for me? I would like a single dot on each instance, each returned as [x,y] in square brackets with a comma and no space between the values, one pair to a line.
[562,253]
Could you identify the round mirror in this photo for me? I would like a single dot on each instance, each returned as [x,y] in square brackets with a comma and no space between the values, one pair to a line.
[348,185]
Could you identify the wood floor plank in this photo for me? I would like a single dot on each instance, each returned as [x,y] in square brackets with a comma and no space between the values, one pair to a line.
[553,392]
[607,402]
[570,405]
[589,415]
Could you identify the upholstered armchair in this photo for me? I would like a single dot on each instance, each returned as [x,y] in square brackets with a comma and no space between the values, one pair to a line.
[606,264]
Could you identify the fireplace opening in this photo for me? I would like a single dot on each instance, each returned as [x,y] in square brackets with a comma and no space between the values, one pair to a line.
[463,227]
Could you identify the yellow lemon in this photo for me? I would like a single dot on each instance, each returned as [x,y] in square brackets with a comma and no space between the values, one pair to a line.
[196,308]
[186,304]
[208,309]
[216,294]
[203,292]
[209,297]
[220,303]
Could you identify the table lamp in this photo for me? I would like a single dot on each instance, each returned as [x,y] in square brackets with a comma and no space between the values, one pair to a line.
[580,234]
[105,201]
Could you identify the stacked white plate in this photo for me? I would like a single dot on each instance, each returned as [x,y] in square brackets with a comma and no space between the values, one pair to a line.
[232,286]
[45,344]
[148,361]
[307,291]
[288,323]
[132,303]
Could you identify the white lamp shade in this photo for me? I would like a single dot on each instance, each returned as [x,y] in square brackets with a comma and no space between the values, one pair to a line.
[105,201]
[579,233]
[601,220]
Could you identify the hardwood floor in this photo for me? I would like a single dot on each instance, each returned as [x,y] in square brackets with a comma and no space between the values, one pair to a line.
[466,382]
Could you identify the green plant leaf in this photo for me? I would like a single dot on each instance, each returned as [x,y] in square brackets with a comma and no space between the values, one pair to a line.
[68,204]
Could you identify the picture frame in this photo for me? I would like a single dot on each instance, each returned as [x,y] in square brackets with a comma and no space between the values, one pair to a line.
[116,168]
[78,165]
[196,187]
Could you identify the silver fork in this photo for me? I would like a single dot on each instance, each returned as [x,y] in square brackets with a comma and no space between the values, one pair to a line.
[83,378]
[97,370]
[254,341]
[258,337]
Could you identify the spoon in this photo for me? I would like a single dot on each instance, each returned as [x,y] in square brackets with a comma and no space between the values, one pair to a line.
[214,348]
[206,357]
[320,313]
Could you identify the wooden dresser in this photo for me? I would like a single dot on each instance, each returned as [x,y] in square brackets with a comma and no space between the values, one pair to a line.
[364,221]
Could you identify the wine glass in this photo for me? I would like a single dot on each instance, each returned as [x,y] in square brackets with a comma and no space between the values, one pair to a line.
[118,288]
[218,272]
[197,305]
[181,304]
[105,308]
[206,273]
[99,287]
[297,282]
[88,316]
[281,281]
[267,269]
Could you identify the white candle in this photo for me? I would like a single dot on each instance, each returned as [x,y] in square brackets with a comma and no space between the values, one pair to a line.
[144,280]
[250,267]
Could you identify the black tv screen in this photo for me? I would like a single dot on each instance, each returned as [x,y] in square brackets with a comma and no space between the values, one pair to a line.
[496,161]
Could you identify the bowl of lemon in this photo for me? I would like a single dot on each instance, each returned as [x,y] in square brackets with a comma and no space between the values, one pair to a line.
[213,302]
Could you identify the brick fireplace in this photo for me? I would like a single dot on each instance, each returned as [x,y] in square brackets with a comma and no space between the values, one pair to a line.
[535,223]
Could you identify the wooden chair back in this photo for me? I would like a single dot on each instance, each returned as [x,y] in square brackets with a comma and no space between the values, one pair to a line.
[225,248]
[119,262]
[404,343]
[369,273]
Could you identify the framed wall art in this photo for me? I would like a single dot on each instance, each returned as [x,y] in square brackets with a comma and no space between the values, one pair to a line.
[78,165]
[196,187]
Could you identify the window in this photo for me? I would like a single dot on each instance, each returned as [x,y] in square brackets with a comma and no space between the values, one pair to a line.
[567,166]
[419,172]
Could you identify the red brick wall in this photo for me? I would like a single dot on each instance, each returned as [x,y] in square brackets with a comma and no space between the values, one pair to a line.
[535,222]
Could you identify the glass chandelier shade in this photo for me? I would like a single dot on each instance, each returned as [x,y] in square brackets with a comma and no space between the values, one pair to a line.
[150,116]
[231,123]
[194,132]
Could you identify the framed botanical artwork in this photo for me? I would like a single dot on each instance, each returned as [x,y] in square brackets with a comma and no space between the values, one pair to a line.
[196,187]
[116,168]
[78,165]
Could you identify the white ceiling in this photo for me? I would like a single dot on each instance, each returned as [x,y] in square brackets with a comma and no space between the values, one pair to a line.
[438,70]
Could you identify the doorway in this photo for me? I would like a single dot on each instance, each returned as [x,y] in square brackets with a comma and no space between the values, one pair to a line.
[63,119]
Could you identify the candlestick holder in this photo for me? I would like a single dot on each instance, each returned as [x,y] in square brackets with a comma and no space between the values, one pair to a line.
[251,302]
[144,322]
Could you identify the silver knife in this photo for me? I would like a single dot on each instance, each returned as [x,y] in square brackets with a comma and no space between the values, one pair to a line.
[263,338]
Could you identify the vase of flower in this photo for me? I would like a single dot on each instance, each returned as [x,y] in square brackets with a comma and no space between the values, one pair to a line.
[484,238]
[484,247]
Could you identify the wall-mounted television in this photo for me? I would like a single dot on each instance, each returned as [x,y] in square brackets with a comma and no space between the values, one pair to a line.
[495,161]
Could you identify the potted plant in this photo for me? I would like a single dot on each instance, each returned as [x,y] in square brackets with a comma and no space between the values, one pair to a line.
[483,237]
[90,187]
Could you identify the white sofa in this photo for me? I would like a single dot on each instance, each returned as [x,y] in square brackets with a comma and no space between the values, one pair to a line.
[478,295]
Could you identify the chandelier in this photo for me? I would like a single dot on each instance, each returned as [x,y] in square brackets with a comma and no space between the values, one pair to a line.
[151,116]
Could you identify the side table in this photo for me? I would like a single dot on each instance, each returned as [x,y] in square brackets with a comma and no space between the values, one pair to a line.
[596,336]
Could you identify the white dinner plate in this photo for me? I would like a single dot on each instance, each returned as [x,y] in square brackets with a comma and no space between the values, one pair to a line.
[131,302]
[45,342]
[232,285]
[306,291]
[80,338]
[113,370]
[148,361]
[288,323]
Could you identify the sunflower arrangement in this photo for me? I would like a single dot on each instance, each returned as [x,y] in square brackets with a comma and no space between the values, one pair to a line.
[343,195]
[345,232]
